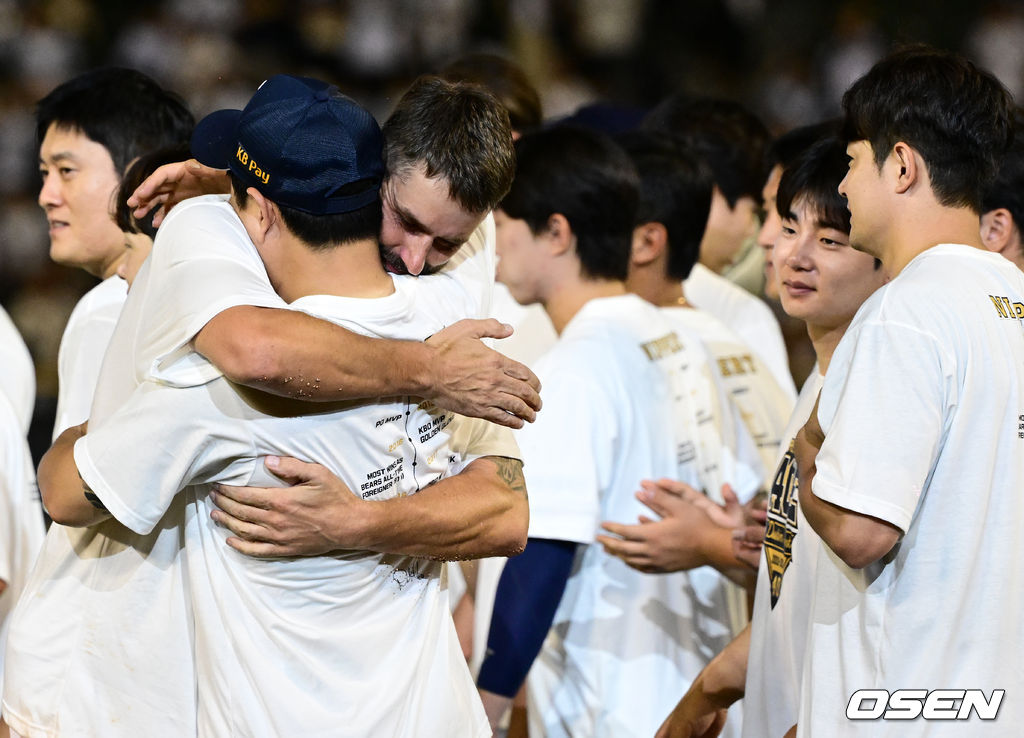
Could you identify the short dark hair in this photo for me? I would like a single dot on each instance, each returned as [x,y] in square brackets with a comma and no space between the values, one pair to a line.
[814,176]
[136,173]
[505,80]
[321,232]
[955,115]
[586,177]
[1007,189]
[121,109]
[730,138]
[784,150]
[457,131]
[675,190]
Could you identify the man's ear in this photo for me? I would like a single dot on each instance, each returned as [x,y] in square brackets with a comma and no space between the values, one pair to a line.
[265,213]
[560,234]
[997,230]
[908,165]
[649,243]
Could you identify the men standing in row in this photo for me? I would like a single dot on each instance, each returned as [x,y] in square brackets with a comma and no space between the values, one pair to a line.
[613,643]
[731,142]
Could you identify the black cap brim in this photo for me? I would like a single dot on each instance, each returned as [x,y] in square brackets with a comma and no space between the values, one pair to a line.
[215,138]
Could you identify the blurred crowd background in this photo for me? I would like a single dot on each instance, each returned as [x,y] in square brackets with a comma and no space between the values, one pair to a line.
[788,60]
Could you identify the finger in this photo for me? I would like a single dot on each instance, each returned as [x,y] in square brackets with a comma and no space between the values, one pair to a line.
[139,211]
[483,328]
[498,416]
[293,471]
[677,488]
[516,406]
[522,390]
[628,532]
[241,528]
[242,502]
[644,520]
[155,182]
[663,503]
[158,216]
[260,550]
[760,516]
[521,372]
[729,495]
[635,552]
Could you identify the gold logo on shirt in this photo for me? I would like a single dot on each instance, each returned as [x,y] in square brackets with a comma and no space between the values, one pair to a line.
[780,528]
[1006,308]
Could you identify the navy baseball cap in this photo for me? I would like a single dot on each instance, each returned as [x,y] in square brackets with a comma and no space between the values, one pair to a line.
[301,143]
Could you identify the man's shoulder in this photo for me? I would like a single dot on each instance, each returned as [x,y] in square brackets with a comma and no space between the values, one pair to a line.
[102,302]
[705,283]
[194,208]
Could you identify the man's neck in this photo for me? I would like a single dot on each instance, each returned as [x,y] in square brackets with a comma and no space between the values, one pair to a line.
[929,227]
[656,288]
[568,299]
[348,270]
[108,267]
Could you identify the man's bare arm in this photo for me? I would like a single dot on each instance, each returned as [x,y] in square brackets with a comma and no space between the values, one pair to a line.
[294,355]
[480,512]
[67,498]
[701,711]
[291,354]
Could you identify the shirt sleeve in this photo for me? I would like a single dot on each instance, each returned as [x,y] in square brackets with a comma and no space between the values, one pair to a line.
[81,353]
[156,444]
[882,408]
[475,438]
[566,454]
[202,264]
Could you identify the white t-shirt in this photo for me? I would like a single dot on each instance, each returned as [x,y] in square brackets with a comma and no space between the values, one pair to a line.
[82,348]
[782,601]
[748,317]
[134,674]
[762,406]
[624,645]
[21,516]
[923,413]
[17,372]
[356,644]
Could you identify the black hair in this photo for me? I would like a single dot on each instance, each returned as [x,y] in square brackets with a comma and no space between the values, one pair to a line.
[456,131]
[675,190]
[505,80]
[814,176]
[121,109]
[586,177]
[1007,189]
[785,149]
[726,135]
[321,232]
[956,116]
[136,173]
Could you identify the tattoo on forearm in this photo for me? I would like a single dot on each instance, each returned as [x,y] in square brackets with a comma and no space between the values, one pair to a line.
[92,498]
[511,473]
